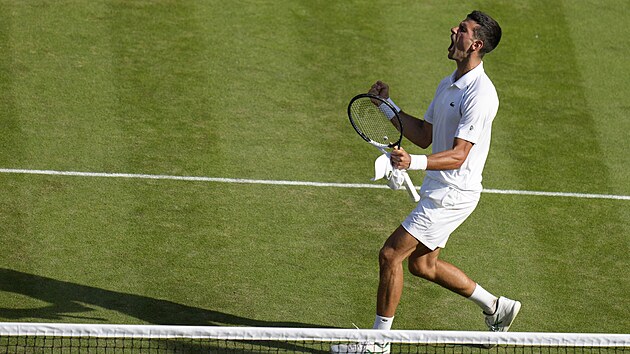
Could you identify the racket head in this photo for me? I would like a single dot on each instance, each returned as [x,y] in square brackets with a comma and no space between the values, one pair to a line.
[367,116]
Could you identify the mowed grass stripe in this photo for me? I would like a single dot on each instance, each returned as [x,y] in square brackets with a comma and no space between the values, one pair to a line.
[10,125]
[543,133]
[57,79]
[12,198]
[164,102]
[159,71]
[601,57]
[61,85]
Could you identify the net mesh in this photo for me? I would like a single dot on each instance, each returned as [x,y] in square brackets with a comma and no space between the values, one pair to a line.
[76,338]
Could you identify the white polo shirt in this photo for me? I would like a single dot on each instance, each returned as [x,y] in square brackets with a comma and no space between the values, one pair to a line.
[464,109]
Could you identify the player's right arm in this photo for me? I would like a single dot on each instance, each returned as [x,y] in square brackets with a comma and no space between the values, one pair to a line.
[416,130]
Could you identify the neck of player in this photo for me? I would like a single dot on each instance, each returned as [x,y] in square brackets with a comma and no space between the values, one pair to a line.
[466,65]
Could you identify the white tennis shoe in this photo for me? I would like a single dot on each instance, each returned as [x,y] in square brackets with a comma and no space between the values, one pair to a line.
[504,315]
[361,348]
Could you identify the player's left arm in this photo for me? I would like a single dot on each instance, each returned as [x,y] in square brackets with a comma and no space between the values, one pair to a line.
[451,159]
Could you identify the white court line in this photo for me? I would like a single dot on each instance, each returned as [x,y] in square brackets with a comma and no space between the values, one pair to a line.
[290,183]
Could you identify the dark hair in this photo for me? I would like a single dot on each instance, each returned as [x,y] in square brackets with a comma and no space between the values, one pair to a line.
[488,31]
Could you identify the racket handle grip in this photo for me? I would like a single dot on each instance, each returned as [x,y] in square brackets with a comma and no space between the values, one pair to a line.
[411,189]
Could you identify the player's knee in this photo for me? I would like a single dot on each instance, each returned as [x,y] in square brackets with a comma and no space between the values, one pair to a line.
[387,257]
[422,270]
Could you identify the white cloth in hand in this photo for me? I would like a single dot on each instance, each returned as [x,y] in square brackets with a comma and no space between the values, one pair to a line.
[383,169]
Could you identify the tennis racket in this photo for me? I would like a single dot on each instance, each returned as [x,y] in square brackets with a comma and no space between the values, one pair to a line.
[368,115]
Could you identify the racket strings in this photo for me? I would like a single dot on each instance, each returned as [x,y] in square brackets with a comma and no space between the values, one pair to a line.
[372,123]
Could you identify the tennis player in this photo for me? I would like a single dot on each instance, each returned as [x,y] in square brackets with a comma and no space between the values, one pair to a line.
[458,125]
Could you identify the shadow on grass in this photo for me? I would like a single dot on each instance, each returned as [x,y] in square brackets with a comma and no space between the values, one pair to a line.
[70,300]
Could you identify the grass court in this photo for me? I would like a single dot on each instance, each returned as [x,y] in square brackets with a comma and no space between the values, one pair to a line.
[257,90]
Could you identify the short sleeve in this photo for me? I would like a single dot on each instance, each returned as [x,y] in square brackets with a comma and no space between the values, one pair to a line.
[428,115]
[477,112]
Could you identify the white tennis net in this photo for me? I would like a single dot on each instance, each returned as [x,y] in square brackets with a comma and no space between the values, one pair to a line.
[84,338]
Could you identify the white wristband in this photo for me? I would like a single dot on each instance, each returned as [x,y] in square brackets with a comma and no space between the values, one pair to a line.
[387,111]
[418,162]
[389,99]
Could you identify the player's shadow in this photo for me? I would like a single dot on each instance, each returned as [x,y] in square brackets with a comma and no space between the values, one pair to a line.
[69,300]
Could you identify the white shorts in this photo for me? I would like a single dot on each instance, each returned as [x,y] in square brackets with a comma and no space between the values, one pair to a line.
[442,208]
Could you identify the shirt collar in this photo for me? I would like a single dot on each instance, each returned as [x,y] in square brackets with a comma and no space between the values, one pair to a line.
[468,78]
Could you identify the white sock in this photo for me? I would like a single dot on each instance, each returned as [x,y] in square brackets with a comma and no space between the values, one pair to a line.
[382,322]
[484,299]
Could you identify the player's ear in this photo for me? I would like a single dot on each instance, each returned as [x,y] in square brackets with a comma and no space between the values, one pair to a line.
[477,45]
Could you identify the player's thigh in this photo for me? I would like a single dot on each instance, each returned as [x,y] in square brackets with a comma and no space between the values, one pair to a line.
[398,246]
